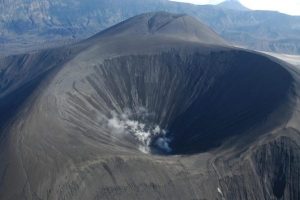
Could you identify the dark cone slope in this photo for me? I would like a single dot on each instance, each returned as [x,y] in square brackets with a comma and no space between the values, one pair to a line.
[179,26]
[157,107]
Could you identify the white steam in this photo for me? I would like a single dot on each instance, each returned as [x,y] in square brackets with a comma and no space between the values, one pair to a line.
[138,125]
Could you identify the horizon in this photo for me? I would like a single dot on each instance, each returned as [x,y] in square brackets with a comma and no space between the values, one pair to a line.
[290,7]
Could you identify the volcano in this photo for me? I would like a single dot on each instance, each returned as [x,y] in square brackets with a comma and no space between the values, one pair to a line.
[156,107]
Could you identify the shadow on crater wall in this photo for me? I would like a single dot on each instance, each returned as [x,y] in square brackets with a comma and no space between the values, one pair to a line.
[200,99]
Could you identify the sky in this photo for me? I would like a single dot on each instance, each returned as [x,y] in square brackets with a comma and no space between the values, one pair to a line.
[291,7]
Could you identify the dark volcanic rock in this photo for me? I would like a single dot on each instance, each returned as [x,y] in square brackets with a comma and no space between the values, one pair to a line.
[141,111]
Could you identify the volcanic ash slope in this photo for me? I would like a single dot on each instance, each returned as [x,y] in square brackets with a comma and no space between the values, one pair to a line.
[156,107]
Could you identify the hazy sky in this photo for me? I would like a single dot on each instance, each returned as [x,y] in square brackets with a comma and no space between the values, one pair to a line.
[291,7]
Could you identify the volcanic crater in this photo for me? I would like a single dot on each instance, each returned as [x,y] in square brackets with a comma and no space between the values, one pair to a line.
[157,107]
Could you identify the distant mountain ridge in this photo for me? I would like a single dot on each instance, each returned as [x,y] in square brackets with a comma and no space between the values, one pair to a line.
[32,23]
[233,5]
